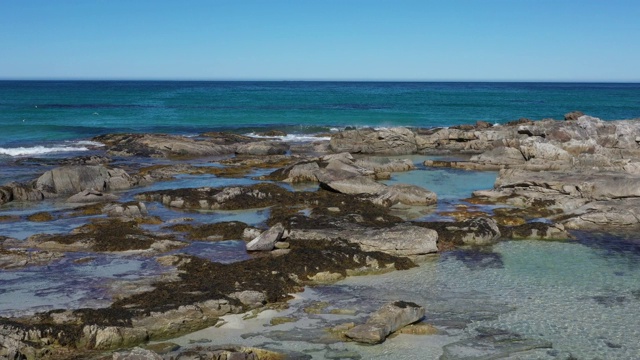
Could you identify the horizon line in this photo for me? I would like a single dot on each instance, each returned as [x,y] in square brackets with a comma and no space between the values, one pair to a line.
[592,81]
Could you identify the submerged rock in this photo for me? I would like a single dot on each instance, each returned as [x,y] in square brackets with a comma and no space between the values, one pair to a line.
[389,318]
[491,344]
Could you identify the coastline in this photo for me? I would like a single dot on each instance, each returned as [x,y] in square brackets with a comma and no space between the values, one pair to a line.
[579,173]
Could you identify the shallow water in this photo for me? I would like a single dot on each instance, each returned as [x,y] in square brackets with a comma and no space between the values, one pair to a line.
[76,281]
[586,305]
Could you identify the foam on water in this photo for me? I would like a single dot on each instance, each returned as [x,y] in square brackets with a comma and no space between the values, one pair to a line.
[40,150]
[295,138]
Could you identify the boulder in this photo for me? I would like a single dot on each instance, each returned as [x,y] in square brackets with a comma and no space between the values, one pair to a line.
[346,183]
[407,195]
[389,318]
[392,141]
[267,240]
[400,240]
[263,148]
[74,179]
[91,196]
[19,192]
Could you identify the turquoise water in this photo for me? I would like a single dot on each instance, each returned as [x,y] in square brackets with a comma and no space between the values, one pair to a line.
[49,112]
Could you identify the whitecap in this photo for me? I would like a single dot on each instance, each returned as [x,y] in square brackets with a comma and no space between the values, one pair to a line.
[291,137]
[39,150]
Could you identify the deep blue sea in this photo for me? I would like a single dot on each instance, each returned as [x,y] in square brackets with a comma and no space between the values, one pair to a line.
[39,116]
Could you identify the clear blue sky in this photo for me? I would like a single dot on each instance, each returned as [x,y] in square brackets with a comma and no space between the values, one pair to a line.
[535,40]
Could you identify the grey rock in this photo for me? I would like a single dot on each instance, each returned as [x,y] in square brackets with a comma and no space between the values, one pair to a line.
[91,196]
[401,240]
[74,179]
[263,148]
[345,183]
[393,141]
[136,354]
[389,318]
[267,240]
[250,298]
[407,195]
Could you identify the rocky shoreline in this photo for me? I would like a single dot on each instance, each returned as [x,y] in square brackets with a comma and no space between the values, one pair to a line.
[580,173]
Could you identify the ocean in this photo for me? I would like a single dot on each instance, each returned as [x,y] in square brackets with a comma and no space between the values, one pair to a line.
[583,296]
[39,117]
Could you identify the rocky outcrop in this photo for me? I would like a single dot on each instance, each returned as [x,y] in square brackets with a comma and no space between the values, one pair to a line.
[391,141]
[263,148]
[162,145]
[19,192]
[401,240]
[389,318]
[74,179]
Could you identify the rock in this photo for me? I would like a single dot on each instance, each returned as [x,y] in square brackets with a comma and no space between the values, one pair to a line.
[385,165]
[263,148]
[400,240]
[475,231]
[574,115]
[250,233]
[112,337]
[535,231]
[250,298]
[391,317]
[407,195]
[346,183]
[162,145]
[90,196]
[266,241]
[74,179]
[136,354]
[393,141]
[19,192]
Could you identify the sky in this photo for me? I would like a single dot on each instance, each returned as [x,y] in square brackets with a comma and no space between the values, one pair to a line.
[371,40]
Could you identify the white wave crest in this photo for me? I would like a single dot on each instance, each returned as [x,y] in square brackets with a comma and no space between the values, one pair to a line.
[88,143]
[292,137]
[39,150]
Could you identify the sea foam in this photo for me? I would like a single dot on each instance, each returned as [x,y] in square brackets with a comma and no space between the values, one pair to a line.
[292,137]
[41,150]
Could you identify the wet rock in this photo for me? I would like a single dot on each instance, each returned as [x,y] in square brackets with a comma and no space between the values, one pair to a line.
[263,148]
[535,231]
[16,258]
[267,240]
[389,318]
[136,354]
[130,211]
[475,231]
[226,230]
[231,352]
[40,217]
[91,196]
[102,235]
